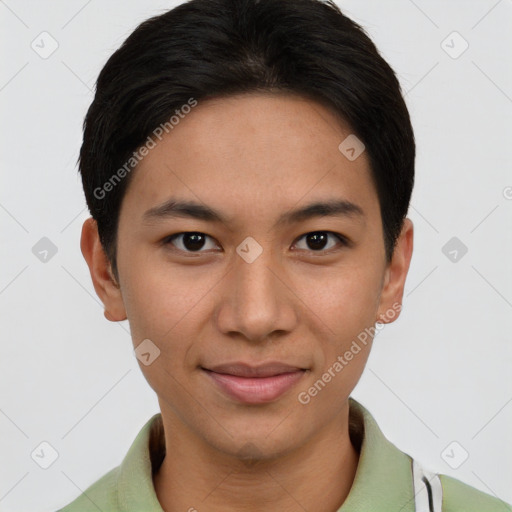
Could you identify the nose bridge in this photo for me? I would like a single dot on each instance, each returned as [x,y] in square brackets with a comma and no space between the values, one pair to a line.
[258,303]
[255,281]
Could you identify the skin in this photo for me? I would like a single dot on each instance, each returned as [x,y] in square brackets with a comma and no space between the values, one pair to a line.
[252,157]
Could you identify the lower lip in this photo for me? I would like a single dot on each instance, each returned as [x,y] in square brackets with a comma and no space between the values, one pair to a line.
[256,390]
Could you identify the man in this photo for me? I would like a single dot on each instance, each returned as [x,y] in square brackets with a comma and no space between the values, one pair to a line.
[248,166]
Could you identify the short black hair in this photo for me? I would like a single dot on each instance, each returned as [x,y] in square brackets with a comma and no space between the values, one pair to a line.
[204,49]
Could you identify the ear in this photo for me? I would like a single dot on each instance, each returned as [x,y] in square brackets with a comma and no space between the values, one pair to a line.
[394,279]
[107,289]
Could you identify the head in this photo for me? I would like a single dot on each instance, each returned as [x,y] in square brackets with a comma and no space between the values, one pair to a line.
[248,166]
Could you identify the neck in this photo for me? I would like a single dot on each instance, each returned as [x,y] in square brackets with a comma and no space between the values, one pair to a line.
[316,476]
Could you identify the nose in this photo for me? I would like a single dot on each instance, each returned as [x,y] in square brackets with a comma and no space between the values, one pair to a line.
[257,302]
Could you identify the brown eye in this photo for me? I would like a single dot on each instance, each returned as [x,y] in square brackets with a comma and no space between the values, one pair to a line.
[319,241]
[192,241]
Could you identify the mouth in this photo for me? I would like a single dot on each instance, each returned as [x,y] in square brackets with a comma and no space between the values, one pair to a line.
[254,384]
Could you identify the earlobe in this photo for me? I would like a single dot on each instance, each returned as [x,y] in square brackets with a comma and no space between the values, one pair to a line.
[107,289]
[396,274]
[109,317]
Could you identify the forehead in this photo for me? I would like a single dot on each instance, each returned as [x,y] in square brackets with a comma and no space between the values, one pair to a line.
[260,151]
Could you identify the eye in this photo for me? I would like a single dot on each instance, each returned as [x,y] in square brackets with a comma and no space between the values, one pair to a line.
[189,241]
[195,241]
[317,240]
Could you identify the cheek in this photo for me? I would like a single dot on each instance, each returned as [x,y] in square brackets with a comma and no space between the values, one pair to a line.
[348,305]
[156,296]
[345,309]
[161,309]
[343,300]
[167,306]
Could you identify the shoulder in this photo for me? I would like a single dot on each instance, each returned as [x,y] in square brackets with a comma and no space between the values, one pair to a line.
[101,495]
[129,485]
[458,497]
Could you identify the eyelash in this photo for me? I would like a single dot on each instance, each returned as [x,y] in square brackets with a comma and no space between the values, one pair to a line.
[343,241]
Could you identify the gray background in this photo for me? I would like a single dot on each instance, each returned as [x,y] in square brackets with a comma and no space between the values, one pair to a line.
[440,374]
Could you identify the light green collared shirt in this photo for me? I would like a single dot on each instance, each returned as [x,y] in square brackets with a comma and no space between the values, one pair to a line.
[383,480]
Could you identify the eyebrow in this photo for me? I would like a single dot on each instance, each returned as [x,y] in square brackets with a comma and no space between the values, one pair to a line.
[174,208]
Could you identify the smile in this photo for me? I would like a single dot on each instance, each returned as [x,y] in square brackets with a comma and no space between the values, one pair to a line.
[258,385]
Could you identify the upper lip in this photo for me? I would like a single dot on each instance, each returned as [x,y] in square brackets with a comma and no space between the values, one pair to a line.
[240,369]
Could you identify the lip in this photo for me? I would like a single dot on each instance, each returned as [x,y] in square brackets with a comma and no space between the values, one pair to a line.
[255,384]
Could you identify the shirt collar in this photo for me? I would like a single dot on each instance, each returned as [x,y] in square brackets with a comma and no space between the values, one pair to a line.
[135,489]
[383,479]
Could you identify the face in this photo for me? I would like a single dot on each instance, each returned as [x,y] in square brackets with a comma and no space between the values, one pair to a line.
[250,275]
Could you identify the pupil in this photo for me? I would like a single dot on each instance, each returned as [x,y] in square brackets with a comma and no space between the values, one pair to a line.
[317,240]
[193,241]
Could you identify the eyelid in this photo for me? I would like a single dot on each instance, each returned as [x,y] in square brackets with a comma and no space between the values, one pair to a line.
[169,239]
[343,241]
